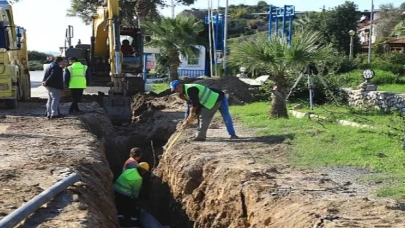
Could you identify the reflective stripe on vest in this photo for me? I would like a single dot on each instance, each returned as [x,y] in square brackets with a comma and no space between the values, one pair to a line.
[125,182]
[207,97]
[77,76]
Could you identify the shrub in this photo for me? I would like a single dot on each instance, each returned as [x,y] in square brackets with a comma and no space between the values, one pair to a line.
[394,68]
[322,94]
[354,78]
[340,63]
[394,57]
[35,65]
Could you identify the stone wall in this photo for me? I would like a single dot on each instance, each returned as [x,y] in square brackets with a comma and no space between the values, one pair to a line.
[376,99]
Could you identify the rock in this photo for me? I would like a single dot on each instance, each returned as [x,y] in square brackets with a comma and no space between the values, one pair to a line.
[82,206]
[75,198]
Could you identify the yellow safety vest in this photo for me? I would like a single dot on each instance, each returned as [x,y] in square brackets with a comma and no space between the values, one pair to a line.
[207,97]
[129,183]
[77,76]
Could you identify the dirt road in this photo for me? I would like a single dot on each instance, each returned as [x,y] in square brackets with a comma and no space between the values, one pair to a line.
[36,152]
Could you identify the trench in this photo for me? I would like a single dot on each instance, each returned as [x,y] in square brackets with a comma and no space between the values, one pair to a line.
[150,133]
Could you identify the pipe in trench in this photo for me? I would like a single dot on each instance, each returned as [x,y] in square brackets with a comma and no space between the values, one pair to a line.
[31,206]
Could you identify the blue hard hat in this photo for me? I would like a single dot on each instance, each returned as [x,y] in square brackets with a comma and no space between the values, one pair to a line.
[173,84]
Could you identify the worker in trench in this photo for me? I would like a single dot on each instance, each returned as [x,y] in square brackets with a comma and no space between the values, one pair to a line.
[204,104]
[126,190]
[132,162]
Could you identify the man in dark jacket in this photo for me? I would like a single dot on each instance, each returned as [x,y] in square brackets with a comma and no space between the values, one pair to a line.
[53,82]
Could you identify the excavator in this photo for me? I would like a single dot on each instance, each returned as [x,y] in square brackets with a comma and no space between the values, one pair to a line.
[15,82]
[120,69]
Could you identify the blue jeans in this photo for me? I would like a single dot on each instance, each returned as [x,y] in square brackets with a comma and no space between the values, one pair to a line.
[226,116]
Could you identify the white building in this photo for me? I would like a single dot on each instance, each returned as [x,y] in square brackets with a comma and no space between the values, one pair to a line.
[363,28]
[193,67]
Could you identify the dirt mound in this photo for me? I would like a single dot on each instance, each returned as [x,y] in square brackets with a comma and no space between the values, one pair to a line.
[143,103]
[237,90]
[250,183]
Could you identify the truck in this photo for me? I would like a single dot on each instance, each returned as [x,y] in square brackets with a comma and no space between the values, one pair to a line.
[15,84]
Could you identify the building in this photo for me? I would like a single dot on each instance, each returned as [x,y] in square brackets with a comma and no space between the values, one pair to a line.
[363,28]
[194,67]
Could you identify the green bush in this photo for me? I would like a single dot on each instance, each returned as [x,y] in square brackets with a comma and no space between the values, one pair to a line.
[381,77]
[394,57]
[394,68]
[322,94]
[35,65]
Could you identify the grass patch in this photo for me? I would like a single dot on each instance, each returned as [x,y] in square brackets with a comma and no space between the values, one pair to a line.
[396,88]
[320,143]
[160,87]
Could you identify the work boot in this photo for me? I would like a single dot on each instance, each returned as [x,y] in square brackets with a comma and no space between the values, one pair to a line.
[198,139]
[56,117]
[234,137]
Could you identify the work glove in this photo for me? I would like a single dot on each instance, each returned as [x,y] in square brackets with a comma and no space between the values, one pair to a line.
[189,120]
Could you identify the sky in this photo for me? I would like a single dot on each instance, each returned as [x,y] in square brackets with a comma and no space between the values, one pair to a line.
[46,20]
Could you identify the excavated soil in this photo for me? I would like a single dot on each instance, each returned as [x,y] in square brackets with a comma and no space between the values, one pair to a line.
[237,91]
[36,152]
[249,182]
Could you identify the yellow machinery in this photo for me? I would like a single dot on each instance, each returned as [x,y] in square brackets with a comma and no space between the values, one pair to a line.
[107,58]
[108,64]
[14,73]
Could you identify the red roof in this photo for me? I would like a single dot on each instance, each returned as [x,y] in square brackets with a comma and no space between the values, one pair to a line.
[396,41]
[366,23]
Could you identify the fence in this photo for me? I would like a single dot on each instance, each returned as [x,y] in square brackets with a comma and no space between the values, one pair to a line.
[191,73]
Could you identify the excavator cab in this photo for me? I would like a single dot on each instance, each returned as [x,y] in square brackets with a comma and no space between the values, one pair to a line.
[131,50]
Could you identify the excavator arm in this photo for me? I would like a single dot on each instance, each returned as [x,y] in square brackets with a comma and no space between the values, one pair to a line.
[106,45]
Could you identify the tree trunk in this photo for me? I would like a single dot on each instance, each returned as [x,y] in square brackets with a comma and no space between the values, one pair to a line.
[174,74]
[278,106]
[174,63]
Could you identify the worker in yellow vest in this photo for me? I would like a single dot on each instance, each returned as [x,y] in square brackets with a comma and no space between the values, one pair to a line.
[77,77]
[126,190]
[205,103]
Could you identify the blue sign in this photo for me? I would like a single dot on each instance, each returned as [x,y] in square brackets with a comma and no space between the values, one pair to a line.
[277,14]
[219,33]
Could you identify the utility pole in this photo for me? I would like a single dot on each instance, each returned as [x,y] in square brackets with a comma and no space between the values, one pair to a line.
[370,33]
[225,36]
[172,5]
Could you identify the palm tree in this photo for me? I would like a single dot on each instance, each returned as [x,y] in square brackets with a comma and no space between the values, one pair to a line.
[175,36]
[274,56]
[302,22]
[399,29]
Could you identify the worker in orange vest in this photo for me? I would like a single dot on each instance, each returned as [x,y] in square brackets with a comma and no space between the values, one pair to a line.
[132,162]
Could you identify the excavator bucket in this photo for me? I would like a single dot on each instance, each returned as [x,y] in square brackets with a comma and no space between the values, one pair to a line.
[118,109]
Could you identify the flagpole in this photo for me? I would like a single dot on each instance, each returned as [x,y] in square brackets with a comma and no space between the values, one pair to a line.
[225,37]
[370,33]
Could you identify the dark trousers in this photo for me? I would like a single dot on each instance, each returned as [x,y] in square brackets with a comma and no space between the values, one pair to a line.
[127,210]
[76,98]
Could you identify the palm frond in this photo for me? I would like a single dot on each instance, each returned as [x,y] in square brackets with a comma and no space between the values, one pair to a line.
[275,56]
[179,33]
[399,29]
